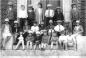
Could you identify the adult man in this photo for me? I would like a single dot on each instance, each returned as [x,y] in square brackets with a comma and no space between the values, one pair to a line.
[10,14]
[74,14]
[49,14]
[31,15]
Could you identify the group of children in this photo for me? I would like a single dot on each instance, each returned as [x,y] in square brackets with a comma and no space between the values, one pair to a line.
[42,38]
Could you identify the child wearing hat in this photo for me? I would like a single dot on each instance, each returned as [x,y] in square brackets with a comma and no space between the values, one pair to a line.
[7,35]
[78,29]
[30,39]
[59,27]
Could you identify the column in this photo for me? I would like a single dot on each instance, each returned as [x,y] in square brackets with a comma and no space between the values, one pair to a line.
[66,5]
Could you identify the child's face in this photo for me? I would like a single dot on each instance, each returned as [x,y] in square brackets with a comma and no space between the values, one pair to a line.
[35,24]
[30,34]
[77,24]
[21,33]
[22,7]
[70,34]
[38,34]
[6,22]
[45,33]
[39,5]
[54,34]
[59,23]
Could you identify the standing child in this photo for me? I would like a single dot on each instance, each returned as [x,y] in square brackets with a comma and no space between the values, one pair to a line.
[21,40]
[29,39]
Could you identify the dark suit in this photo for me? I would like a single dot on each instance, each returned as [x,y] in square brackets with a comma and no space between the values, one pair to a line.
[58,16]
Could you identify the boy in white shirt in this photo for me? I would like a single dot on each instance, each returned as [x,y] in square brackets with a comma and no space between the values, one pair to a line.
[59,28]
[49,14]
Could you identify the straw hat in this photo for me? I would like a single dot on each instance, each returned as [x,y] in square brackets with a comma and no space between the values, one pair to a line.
[78,21]
[49,5]
[50,21]
[16,21]
[38,32]
[10,3]
[7,20]
[59,21]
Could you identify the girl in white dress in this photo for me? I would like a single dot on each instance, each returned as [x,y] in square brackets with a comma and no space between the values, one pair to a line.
[7,36]
[78,29]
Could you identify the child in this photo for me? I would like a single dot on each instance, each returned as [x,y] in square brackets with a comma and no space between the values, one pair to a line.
[54,39]
[35,28]
[45,40]
[21,40]
[50,31]
[59,28]
[37,40]
[63,41]
[78,29]
[71,41]
[29,39]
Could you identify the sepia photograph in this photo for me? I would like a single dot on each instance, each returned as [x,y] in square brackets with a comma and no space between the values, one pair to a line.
[43,28]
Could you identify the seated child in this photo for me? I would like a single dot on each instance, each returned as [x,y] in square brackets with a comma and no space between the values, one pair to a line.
[71,40]
[50,31]
[78,29]
[37,40]
[35,28]
[21,40]
[29,39]
[45,40]
[63,41]
[54,39]
[59,28]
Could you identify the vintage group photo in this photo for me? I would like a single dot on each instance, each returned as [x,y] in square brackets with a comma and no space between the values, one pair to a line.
[43,27]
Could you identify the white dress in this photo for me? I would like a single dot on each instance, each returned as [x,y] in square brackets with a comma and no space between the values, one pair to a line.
[8,41]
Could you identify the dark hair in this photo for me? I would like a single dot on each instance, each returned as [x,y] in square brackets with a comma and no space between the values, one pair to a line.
[40,4]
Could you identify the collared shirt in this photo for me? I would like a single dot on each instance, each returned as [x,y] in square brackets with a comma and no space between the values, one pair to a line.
[49,13]
[22,14]
[35,28]
[59,28]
